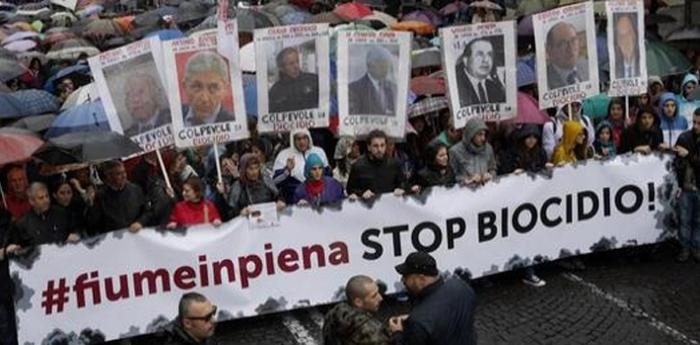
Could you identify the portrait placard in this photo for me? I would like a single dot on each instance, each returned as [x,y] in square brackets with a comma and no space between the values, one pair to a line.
[626,48]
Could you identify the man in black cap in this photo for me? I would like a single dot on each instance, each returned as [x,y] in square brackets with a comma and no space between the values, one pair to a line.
[443,309]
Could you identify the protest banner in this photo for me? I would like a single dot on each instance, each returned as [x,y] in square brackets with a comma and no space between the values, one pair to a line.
[204,88]
[246,272]
[373,76]
[626,48]
[480,70]
[567,60]
[293,67]
[130,81]
[69,4]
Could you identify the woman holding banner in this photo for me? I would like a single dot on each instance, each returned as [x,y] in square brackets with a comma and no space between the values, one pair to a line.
[194,208]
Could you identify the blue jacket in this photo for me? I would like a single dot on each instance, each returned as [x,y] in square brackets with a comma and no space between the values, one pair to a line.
[332,192]
[671,127]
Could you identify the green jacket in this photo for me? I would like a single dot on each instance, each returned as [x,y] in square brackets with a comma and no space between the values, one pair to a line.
[347,325]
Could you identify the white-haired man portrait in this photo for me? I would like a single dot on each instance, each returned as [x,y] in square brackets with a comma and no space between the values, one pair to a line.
[374,93]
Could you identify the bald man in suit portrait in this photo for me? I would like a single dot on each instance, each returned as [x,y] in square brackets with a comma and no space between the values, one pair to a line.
[374,93]
[565,66]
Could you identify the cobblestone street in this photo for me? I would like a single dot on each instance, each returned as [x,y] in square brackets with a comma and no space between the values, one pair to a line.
[621,298]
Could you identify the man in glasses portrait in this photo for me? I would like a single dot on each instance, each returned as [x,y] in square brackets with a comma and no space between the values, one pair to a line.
[195,323]
[565,66]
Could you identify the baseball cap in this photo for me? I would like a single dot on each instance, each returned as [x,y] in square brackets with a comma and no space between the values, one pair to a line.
[418,263]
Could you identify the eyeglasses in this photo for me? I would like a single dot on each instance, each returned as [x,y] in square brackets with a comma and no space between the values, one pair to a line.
[204,318]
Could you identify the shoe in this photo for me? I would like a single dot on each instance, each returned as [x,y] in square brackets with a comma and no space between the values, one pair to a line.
[534,280]
[684,255]
[696,255]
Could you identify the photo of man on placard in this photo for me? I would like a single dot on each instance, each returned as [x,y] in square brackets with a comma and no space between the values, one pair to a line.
[475,71]
[295,89]
[626,45]
[206,84]
[375,92]
[142,93]
[565,65]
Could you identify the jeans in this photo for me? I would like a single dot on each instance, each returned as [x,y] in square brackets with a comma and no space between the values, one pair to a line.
[8,330]
[689,209]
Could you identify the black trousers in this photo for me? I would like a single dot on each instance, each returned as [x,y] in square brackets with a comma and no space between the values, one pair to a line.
[8,327]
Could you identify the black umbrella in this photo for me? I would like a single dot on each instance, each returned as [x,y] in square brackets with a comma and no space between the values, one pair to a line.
[35,123]
[80,147]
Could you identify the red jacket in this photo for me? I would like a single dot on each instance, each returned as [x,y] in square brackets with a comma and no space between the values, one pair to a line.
[188,213]
[17,207]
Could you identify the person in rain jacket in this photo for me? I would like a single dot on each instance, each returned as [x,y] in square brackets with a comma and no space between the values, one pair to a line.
[686,107]
[604,145]
[644,135]
[552,131]
[318,189]
[526,154]
[473,160]
[573,146]
[671,123]
[289,163]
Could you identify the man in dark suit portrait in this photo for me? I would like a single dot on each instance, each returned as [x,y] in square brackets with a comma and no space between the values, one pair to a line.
[374,93]
[477,81]
[626,47]
[565,66]
[142,95]
[295,90]
[206,85]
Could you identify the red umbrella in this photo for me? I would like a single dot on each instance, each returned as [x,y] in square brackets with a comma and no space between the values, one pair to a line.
[529,111]
[352,11]
[427,85]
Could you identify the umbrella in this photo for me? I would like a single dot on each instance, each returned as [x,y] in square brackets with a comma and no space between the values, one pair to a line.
[80,74]
[486,5]
[55,37]
[27,57]
[10,69]
[352,10]
[426,16]
[453,7]
[380,4]
[20,46]
[17,144]
[426,57]
[35,101]
[71,49]
[35,123]
[419,28]
[663,59]
[247,57]
[529,111]
[190,11]
[298,17]
[152,17]
[84,94]
[167,34]
[102,28]
[427,85]
[63,19]
[525,27]
[526,74]
[326,17]
[427,105]
[90,10]
[87,117]
[596,106]
[86,147]
[21,35]
[382,17]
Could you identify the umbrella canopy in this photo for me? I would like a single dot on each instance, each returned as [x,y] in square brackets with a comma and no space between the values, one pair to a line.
[71,49]
[381,17]
[298,17]
[419,28]
[526,73]
[453,7]
[596,106]
[427,105]
[352,10]
[80,74]
[20,46]
[151,18]
[426,58]
[17,144]
[63,19]
[424,15]
[86,147]
[166,35]
[35,123]
[663,59]
[10,69]
[529,111]
[84,94]
[485,4]
[190,11]
[326,17]
[101,28]
[427,85]
[55,37]
[21,35]
[27,57]
[30,102]
[87,117]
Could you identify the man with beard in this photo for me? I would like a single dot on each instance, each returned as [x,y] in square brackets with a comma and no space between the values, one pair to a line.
[375,173]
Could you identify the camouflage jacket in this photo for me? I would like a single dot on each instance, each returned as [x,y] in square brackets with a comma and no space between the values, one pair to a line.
[346,325]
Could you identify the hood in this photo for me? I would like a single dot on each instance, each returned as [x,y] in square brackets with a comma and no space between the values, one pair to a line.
[687,79]
[300,131]
[527,130]
[571,131]
[666,97]
[472,128]
[313,160]
[246,160]
[601,125]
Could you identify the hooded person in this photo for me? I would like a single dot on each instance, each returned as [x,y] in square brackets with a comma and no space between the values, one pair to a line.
[552,131]
[473,160]
[526,153]
[604,144]
[289,163]
[253,187]
[670,121]
[317,188]
[686,107]
[616,121]
[574,145]
[644,135]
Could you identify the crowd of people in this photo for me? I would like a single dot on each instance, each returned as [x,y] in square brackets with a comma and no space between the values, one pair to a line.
[315,168]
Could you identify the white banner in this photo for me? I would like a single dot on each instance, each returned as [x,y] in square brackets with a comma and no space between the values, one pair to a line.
[480,71]
[373,77]
[567,59]
[515,221]
[130,81]
[205,89]
[626,48]
[293,68]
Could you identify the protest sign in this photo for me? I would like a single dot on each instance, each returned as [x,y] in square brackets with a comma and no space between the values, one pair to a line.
[373,76]
[130,81]
[293,67]
[622,202]
[204,88]
[626,48]
[480,65]
[567,60]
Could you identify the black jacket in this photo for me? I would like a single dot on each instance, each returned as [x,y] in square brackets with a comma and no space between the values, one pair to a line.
[689,141]
[381,176]
[117,209]
[443,314]
[518,156]
[34,229]
[6,286]
[434,176]
[175,334]
[635,136]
